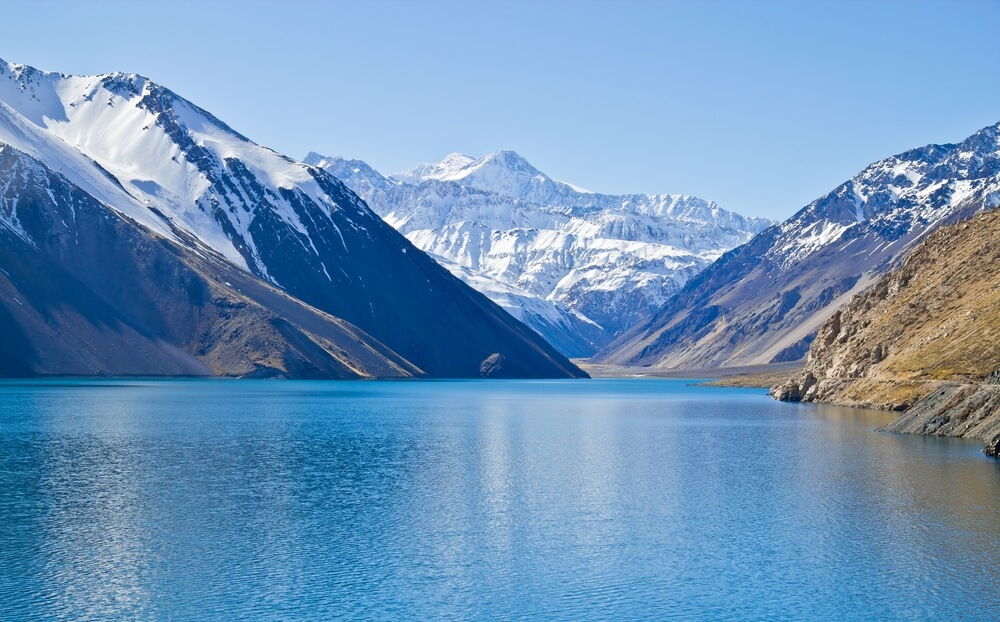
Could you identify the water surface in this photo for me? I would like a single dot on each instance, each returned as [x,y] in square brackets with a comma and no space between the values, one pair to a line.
[603,499]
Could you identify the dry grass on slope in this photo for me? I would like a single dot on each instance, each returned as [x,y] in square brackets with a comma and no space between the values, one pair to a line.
[938,317]
[933,321]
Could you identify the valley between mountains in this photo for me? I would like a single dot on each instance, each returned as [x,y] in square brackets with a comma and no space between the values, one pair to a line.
[141,235]
[578,267]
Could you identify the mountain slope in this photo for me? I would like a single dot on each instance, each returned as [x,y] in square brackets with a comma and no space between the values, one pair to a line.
[926,335]
[85,291]
[596,263]
[764,301]
[182,174]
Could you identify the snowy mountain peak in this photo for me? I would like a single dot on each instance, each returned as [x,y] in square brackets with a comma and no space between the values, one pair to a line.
[459,166]
[504,172]
[341,164]
[45,86]
[23,73]
[577,266]
[897,195]
[509,160]
[174,166]
[454,162]
[449,166]
[126,84]
[157,161]
[316,159]
[27,75]
[769,297]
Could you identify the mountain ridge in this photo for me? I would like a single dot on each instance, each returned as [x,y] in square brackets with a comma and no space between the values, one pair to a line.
[922,340]
[764,301]
[591,259]
[161,161]
[181,313]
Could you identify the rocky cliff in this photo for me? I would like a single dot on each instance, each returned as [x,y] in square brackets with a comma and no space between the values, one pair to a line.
[924,339]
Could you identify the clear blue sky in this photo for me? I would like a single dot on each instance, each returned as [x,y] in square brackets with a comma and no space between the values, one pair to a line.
[760,106]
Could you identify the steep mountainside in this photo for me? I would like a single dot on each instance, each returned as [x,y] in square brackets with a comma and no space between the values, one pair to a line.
[764,301]
[161,162]
[926,335]
[577,266]
[84,291]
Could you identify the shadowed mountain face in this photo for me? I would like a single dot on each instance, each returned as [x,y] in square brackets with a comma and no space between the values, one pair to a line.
[577,266]
[182,178]
[85,291]
[764,301]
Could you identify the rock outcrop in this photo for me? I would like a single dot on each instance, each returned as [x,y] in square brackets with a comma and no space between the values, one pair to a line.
[993,449]
[924,339]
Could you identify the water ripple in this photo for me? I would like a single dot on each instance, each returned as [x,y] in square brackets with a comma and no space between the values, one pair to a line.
[498,501]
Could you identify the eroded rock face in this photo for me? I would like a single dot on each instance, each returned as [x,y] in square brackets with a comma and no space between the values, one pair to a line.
[993,449]
[963,410]
[494,366]
[924,339]
[798,389]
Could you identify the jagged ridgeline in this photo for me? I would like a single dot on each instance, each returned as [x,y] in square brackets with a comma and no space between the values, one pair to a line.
[579,267]
[764,301]
[140,234]
[924,339]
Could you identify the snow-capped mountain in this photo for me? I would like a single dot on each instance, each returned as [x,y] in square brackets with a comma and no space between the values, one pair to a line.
[158,161]
[764,301]
[502,172]
[578,266]
[84,291]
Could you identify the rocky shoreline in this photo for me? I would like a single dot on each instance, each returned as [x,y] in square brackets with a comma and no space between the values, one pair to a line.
[924,340]
[962,410]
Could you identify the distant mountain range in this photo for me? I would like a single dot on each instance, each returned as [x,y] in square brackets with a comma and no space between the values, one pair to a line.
[764,301]
[139,234]
[577,266]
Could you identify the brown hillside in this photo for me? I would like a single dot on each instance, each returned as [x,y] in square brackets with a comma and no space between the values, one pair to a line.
[931,326]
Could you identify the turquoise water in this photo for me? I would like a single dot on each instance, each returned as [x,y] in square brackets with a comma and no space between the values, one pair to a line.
[603,499]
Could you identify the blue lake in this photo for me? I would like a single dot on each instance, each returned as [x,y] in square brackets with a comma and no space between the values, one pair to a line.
[603,499]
